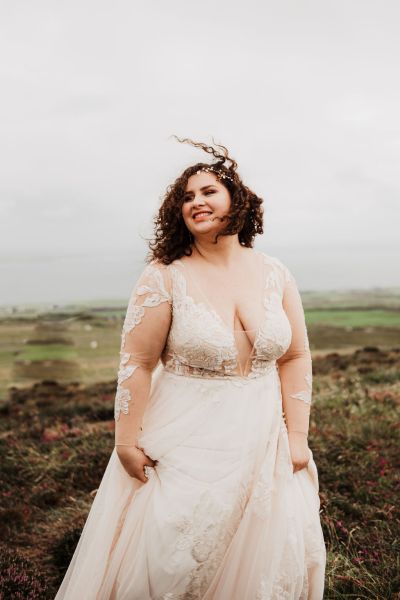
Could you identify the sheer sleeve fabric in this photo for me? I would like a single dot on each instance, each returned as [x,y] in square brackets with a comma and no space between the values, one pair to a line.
[295,366]
[144,334]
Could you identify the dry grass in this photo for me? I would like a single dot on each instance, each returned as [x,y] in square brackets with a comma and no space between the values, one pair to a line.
[56,440]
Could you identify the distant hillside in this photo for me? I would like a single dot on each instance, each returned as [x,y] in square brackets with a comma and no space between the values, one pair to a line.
[374,298]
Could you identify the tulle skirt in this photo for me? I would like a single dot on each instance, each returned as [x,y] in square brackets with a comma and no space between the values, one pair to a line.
[222,515]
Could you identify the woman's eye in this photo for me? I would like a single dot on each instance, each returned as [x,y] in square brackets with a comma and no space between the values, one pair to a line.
[189,198]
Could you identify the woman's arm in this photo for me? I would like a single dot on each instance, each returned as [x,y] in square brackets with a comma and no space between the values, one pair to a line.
[295,370]
[144,333]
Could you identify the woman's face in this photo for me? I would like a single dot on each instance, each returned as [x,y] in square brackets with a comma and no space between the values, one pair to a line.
[205,205]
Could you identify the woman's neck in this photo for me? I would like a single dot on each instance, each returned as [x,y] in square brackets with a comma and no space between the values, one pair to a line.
[224,253]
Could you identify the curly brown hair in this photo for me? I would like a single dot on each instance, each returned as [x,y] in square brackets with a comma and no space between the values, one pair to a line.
[172,239]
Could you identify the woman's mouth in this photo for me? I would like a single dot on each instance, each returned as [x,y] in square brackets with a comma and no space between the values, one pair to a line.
[201,215]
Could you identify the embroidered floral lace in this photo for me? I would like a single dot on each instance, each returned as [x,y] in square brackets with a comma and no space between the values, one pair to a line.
[143,338]
[169,319]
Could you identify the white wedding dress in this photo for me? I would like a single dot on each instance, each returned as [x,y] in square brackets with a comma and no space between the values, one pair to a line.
[222,515]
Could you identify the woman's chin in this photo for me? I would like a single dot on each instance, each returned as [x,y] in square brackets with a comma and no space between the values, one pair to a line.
[202,227]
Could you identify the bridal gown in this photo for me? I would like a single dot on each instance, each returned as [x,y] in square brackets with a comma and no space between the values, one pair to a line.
[222,515]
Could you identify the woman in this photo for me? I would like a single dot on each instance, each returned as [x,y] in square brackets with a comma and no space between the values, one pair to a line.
[211,491]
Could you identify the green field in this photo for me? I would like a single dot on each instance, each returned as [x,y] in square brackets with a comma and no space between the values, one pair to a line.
[81,342]
[90,352]
[354,318]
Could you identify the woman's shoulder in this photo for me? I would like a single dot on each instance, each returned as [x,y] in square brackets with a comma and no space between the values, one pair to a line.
[157,264]
[271,259]
[279,265]
[154,276]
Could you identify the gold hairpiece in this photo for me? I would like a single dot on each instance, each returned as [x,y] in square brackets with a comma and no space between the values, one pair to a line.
[210,169]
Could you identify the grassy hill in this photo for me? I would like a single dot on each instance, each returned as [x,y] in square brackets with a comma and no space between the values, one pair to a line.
[58,371]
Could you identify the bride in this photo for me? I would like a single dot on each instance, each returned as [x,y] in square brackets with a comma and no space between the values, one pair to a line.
[211,491]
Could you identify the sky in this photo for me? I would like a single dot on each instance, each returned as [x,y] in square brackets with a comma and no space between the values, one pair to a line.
[304,94]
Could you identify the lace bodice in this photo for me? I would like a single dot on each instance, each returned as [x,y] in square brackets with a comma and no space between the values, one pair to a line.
[169,318]
[201,344]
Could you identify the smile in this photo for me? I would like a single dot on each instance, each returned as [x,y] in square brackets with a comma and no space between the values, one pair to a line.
[200,215]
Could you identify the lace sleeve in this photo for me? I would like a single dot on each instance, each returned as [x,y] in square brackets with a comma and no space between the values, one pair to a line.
[144,333]
[295,366]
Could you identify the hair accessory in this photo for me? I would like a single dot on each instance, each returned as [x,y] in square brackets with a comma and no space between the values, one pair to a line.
[221,174]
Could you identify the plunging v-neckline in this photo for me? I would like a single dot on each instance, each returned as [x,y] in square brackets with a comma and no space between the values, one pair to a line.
[209,308]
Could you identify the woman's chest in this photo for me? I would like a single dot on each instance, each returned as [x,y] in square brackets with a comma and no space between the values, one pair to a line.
[253,330]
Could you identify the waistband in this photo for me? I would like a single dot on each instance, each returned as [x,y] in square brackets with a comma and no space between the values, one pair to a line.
[235,379]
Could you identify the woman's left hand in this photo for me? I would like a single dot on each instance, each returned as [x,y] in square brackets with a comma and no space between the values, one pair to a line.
[299,450]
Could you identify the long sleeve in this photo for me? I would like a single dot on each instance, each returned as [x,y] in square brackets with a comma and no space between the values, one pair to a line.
[144,333]
[295,366]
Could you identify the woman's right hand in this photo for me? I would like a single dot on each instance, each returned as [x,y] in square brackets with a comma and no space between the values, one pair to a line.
[133,460]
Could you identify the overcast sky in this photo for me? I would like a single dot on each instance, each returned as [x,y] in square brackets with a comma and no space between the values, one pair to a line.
[305,95]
